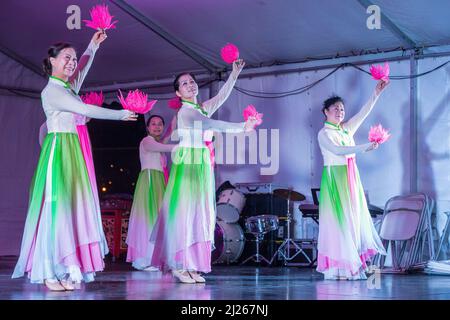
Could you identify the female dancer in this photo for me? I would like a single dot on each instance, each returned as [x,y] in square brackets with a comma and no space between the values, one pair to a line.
[347,237]
[83,136]
[63,236]
[184,232]
[149,193]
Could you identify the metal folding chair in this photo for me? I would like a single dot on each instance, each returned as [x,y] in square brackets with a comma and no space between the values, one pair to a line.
[406,227]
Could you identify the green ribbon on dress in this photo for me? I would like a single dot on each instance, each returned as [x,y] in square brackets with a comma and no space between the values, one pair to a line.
[196,106]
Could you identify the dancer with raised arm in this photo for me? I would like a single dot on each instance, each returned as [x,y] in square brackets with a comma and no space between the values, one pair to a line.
[184,232]
[347,236]
[63,237]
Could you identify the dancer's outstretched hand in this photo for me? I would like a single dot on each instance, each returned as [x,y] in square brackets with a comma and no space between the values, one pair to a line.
[381,85]
[99,37]
[374,146]
[238,65]
[130,116]
[250,124]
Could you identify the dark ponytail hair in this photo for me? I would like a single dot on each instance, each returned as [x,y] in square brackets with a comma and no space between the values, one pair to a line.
[176,83]
[53,52]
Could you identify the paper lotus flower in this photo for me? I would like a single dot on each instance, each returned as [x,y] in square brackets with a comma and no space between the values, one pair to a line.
[93,98]
[380,72]
[101,19]
[136,101]
[174,103]
[250,111]
[378,134]
[229,53]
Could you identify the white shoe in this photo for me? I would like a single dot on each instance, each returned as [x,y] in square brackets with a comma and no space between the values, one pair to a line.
[198,278]
[54,285]
[182,276]
[68,285]
[151,269]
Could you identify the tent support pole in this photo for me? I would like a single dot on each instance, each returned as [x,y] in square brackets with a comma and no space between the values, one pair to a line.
[413,111]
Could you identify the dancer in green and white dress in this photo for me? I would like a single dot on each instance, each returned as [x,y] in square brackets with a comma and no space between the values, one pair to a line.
[149,192]
[347,237]
[63,240]
[184,232]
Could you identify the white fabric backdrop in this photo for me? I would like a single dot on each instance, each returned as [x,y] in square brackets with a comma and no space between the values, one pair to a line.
[20,118]
[384,172]
[434,137]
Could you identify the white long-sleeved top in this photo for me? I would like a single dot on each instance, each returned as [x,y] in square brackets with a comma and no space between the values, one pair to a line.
[336,142]
[42,133]
[79,75]
[150,153]
[60,100]
[194,123]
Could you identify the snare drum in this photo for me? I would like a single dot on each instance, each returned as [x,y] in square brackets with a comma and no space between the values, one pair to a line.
[229,242]
[261,224]
[230,204]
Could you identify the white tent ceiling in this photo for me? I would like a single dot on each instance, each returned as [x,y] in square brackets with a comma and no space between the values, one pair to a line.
[267,32]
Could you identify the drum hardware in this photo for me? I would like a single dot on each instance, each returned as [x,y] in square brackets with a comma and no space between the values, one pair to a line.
[282,228]
[230,204]
[259,226]
[284,249]
[229,242]
[308,245]
[256,187]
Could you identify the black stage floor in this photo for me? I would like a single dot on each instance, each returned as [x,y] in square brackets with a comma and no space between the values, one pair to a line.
[119,282]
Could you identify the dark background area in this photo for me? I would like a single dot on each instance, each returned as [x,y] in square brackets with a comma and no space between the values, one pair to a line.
[115,148]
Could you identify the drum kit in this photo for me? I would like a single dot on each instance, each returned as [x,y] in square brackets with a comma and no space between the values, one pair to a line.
[259,226]
[229,242]
[229,236]
[230,205]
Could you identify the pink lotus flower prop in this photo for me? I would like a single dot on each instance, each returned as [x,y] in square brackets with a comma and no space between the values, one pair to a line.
[380,72]
[101,19]
[174,103]
[229,53]
[136,101]
[93,98]
[378,134]
[250,111]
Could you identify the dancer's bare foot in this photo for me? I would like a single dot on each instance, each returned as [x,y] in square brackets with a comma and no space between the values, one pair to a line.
[198,278]
[54,285]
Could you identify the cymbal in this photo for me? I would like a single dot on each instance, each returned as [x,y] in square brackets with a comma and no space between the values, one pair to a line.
[289,194]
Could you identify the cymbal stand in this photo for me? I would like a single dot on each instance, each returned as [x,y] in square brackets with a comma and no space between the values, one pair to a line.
[284,248]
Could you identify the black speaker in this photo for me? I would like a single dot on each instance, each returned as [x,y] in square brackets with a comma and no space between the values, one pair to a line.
[264,203]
